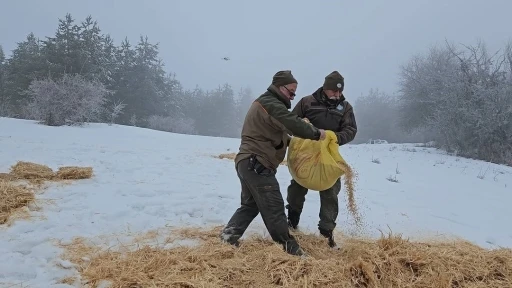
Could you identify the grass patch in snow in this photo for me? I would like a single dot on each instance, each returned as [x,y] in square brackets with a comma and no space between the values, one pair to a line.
[18,187]
[390,261]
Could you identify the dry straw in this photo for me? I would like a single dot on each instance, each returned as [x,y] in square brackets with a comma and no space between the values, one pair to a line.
[13,197]
[74,173]
[349,177]
[390,261]
[17,188]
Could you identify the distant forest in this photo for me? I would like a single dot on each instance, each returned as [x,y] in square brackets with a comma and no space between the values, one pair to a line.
[459,98]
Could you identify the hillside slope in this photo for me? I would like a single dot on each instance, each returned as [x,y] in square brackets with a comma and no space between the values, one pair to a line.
[145,179]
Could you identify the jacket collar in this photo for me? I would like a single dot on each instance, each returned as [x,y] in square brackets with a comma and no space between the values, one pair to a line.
[320,96]
[275,91]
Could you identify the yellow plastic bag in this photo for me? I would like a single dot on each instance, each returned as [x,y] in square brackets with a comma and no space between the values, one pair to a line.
[315,165]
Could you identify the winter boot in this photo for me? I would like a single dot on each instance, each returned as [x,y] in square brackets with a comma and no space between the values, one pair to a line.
[230,239]
[328,234]
[293,248]
[293,217]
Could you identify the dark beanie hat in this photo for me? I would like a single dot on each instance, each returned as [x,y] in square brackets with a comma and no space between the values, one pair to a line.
[334,81]
[282,78]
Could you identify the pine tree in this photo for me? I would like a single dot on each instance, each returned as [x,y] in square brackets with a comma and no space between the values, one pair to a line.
[63,51]
[26,64]
[4,107]
[245,99]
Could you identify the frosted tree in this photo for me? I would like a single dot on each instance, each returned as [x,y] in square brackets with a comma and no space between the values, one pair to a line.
[180,125]
[114,110]
[71,100]
[464,97]
[378,117]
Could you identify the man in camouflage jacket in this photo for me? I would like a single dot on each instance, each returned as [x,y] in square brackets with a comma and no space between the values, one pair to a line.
[263,147]
[327,109]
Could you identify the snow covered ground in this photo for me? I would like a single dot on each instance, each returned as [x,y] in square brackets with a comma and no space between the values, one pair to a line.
[146,179]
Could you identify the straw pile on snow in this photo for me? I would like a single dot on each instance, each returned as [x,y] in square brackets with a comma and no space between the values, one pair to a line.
[38,173]
[74,173]
[17,187]
[390,261]
[13,197]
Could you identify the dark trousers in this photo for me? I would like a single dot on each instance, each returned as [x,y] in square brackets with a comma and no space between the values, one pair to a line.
[260,194]
[328,203]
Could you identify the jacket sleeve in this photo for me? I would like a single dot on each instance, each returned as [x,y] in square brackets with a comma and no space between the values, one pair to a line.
[292,122]
[348,128]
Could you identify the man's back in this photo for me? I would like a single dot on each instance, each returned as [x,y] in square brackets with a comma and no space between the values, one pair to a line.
[262,134]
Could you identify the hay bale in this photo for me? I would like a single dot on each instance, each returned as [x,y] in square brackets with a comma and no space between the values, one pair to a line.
[12,198]
[32,171]
[7,177]
[74,172]
[390,261]
[230,156]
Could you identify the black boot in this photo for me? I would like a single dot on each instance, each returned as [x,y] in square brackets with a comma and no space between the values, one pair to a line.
[230,239]
[328,234]
[293,248]
[293,217]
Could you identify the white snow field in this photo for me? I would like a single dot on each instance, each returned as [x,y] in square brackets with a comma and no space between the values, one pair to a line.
[145,179]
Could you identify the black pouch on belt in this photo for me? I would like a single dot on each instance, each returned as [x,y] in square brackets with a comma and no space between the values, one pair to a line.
[257,167]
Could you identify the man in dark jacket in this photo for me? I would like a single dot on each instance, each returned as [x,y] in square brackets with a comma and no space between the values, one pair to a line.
[263,147]
[327,109]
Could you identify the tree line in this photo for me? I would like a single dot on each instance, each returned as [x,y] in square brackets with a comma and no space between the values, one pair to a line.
[460,98]
[79,75]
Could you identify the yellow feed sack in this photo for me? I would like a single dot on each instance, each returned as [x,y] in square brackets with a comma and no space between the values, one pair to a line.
[315,165]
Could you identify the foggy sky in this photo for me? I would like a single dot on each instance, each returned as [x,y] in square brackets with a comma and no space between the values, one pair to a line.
[366,41]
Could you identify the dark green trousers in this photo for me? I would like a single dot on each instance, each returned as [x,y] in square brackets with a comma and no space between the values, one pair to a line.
[260,194]
[328,203]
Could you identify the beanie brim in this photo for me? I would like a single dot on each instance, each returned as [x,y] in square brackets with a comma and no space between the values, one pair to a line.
[333,86]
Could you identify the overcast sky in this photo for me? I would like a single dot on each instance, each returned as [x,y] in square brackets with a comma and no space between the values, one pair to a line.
[366,41]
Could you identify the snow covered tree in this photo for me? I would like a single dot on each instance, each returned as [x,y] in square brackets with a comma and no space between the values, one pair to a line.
[114,110]
[464,97]
[71,100]
[179,125]
[141,88]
